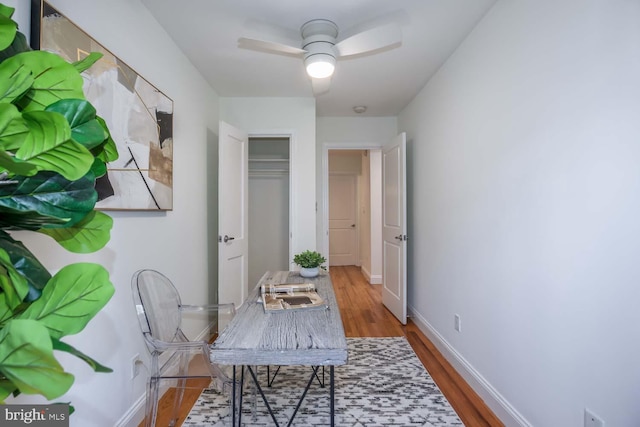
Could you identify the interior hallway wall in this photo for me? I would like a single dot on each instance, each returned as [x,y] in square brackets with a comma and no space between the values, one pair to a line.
[525,193]
[173,242]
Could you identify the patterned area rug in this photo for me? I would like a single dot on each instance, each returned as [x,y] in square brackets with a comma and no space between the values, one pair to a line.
[384,384]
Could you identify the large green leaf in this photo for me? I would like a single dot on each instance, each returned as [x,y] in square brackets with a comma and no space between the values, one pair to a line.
[12,283]
[86,236]
[54,79]
[81,115]
[6,389]
[15,80]
[98,168]
[107,151]
[14,166]
[19,45]
[49,195]
[5,311]
[28,220]
[62,346]
[8,29]
[13,129]
[26,359]
[26,264]
[87,62]
[71,298]
[49,146]
[6,11]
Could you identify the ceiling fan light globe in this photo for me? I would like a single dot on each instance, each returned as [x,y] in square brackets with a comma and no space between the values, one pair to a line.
[320,66]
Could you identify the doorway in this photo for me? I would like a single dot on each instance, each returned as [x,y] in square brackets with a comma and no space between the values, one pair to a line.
[352,202]
[269,202]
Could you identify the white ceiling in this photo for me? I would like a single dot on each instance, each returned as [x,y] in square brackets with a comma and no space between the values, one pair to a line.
[208,31]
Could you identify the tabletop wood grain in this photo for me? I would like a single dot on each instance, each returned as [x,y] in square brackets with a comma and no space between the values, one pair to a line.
[291,337]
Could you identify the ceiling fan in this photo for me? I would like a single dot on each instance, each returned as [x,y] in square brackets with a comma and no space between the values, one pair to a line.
[320,47]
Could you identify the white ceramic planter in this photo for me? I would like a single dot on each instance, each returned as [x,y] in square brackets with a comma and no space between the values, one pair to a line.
[309,272]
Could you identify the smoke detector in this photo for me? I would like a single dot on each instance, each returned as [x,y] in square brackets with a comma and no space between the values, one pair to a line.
[359,109]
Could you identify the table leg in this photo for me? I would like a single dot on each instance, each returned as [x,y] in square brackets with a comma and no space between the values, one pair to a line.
[233,398]
[264,398]
[241,395]
[332,395]
[314,374]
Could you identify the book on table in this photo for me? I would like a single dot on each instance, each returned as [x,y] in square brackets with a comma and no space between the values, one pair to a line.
[291,296]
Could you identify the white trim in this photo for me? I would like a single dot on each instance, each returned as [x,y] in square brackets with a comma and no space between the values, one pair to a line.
[366,273]
[134,415]
[494,400]
[373,280]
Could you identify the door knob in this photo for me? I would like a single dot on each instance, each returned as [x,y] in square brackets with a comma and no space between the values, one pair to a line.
[353,226]
[398,237]
[227,238]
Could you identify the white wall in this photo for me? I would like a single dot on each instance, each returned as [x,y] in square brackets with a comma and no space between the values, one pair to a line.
[524,191]
[140,239]
[286,116]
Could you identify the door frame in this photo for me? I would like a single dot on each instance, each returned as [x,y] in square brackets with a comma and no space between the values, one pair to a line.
[325,186]
[291,135]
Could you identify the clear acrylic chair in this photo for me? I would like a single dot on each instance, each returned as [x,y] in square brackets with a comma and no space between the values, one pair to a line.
[174,358]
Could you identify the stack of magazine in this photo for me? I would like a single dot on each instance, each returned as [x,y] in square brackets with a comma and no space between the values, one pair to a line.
[291,296]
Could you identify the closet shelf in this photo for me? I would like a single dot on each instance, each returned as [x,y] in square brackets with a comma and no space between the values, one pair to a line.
[269,160]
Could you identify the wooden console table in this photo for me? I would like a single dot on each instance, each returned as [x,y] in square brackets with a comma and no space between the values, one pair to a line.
[313,337]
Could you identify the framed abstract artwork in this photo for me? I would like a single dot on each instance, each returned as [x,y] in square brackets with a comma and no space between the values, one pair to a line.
[139,116]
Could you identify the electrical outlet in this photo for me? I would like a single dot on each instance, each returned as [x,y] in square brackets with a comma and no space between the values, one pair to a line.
[592,420]
[136,362]
[457,325]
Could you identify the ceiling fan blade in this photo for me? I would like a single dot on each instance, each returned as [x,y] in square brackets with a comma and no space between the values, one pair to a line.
[320,86]
[271,47]
[384,37]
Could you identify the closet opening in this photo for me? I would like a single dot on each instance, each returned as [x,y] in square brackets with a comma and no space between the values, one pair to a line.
[269,206]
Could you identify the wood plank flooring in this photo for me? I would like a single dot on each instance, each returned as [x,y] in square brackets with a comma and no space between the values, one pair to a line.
[363,315]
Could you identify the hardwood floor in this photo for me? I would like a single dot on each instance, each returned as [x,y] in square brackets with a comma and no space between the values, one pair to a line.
[363,315]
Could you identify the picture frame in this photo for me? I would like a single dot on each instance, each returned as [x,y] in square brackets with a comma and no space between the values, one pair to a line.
[138,115]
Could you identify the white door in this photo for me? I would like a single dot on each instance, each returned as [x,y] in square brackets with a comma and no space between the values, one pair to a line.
[343,211]
[394,228]
[233,218]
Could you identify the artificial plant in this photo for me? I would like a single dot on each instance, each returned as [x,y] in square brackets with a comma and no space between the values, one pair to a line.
[309,259]
[52,148]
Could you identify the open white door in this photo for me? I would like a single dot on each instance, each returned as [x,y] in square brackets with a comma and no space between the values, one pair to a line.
[233,222]
[394,228]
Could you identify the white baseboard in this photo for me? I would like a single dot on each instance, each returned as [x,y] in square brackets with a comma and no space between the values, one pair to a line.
[134,416]
[494,400]
[372,279]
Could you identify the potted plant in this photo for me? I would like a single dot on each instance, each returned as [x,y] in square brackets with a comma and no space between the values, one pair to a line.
[310,262]
[52,149]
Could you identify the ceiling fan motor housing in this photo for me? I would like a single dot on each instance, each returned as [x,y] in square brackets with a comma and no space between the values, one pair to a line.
[319,37]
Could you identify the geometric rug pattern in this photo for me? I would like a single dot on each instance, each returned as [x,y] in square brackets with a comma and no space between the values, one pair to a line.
[383,384]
